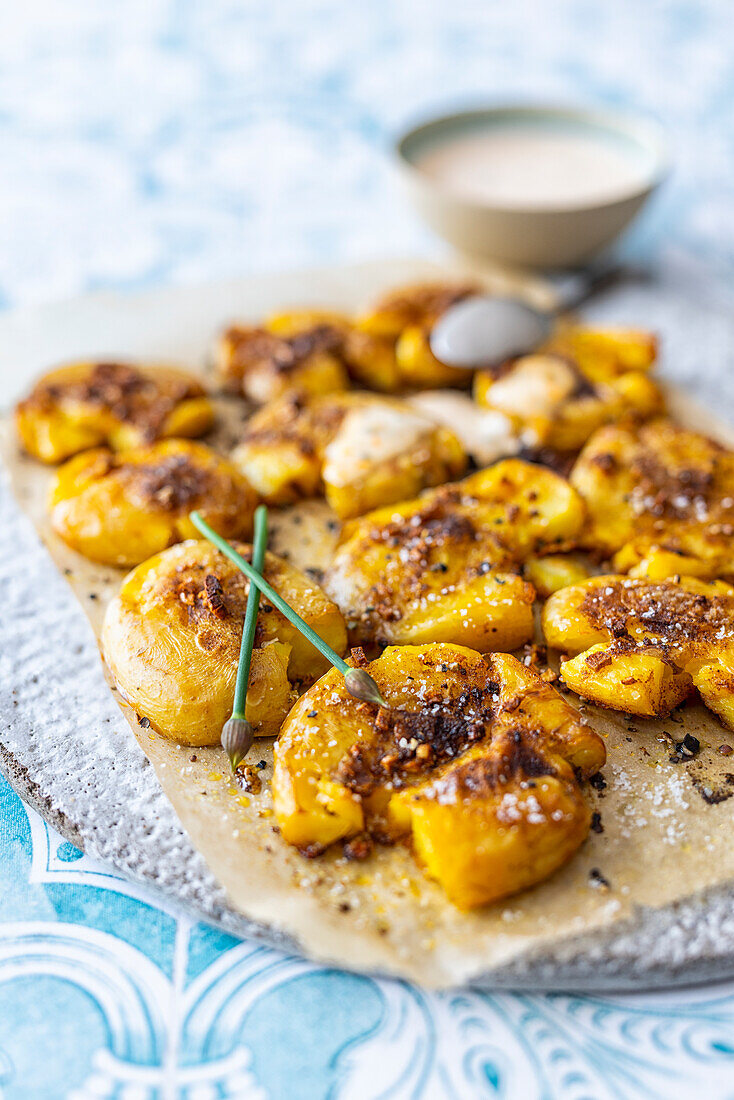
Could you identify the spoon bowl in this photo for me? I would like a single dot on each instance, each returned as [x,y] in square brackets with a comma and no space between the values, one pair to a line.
[481,331]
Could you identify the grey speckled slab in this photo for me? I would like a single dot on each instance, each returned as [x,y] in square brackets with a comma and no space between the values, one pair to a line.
[67,749]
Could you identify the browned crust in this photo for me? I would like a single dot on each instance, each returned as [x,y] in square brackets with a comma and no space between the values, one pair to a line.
[673,614]
[248,348]
[424,304]
[131,395]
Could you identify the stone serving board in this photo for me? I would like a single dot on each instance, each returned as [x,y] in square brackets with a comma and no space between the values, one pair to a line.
[64,745]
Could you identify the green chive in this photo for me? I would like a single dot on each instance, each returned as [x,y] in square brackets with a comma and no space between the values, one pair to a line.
[361,685]
[259,542]
[237,733]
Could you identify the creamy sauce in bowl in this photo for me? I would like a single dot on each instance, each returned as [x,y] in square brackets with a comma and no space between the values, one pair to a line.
[536,167]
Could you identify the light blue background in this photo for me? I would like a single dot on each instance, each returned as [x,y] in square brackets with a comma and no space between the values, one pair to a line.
[171,141]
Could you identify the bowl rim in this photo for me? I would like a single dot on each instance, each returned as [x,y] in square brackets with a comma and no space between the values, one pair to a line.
[638,126]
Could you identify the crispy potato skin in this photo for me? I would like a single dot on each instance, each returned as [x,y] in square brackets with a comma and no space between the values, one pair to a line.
[171,640]
[587,378]
[120,509]
[556,571]
[474,762]
[386,349]
[369,358]
[86,405]
[642,646]
[282,451]
[287,447]
[265,363]
[660,500]
[444,567]
[403,318]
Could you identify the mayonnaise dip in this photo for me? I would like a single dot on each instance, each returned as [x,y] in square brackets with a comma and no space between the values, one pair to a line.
[535,166]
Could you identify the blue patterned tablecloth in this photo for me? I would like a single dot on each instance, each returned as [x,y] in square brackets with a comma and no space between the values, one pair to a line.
[165,140]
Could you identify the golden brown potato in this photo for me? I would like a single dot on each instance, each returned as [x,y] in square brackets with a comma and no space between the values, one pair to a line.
[555,571]
[580,381]
[360,450]
[405,317]
[644,645]
[368,358]
[171,640]
[264,364]
[602,353]
[474,760]
[445,567]
[660,500]
[87,405]
[282,449]
[122,508]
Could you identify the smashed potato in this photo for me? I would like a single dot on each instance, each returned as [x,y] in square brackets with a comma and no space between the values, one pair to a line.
[555,571]
[264,364]
[171,640]
[404,319]
[660,500]
[368,358]
[361,451]
[87,405]
[642,646]
[603,353]
[122,508]
[282,449]
[445,567]
[582,380]
[475,761]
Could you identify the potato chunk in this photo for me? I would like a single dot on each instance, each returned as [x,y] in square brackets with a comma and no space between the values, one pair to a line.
[580,381]
[474,761]
[122,508]
[404,318]
[642,646]
[445,567]
[171,640]
[361,451]
[660,499]
[369,358]
[263,364]
[86,405]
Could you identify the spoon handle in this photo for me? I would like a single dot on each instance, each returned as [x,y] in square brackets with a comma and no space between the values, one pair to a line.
[573,288]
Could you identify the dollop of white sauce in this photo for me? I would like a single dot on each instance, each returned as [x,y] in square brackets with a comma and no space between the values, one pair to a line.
[535,386]
[486,435]
[370,436]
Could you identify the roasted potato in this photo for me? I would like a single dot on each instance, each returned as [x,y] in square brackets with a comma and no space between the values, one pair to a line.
[86,405]
[559,396]
[282,449]
[445,567]
[369,359]
[358,449]
[264,365]
[404,318]
[475,760]
[121,508]
[603,353]
[642,646]
[171,640]
[660,500]
[555,571]
[385,451]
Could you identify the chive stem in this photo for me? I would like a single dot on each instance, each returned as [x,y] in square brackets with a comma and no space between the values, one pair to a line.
[259,542]
[267,589]
[362,689]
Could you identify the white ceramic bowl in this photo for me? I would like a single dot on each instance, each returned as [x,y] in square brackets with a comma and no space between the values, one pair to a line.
[541,236]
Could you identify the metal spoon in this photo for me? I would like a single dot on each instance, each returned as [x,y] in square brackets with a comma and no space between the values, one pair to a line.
[487,329]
